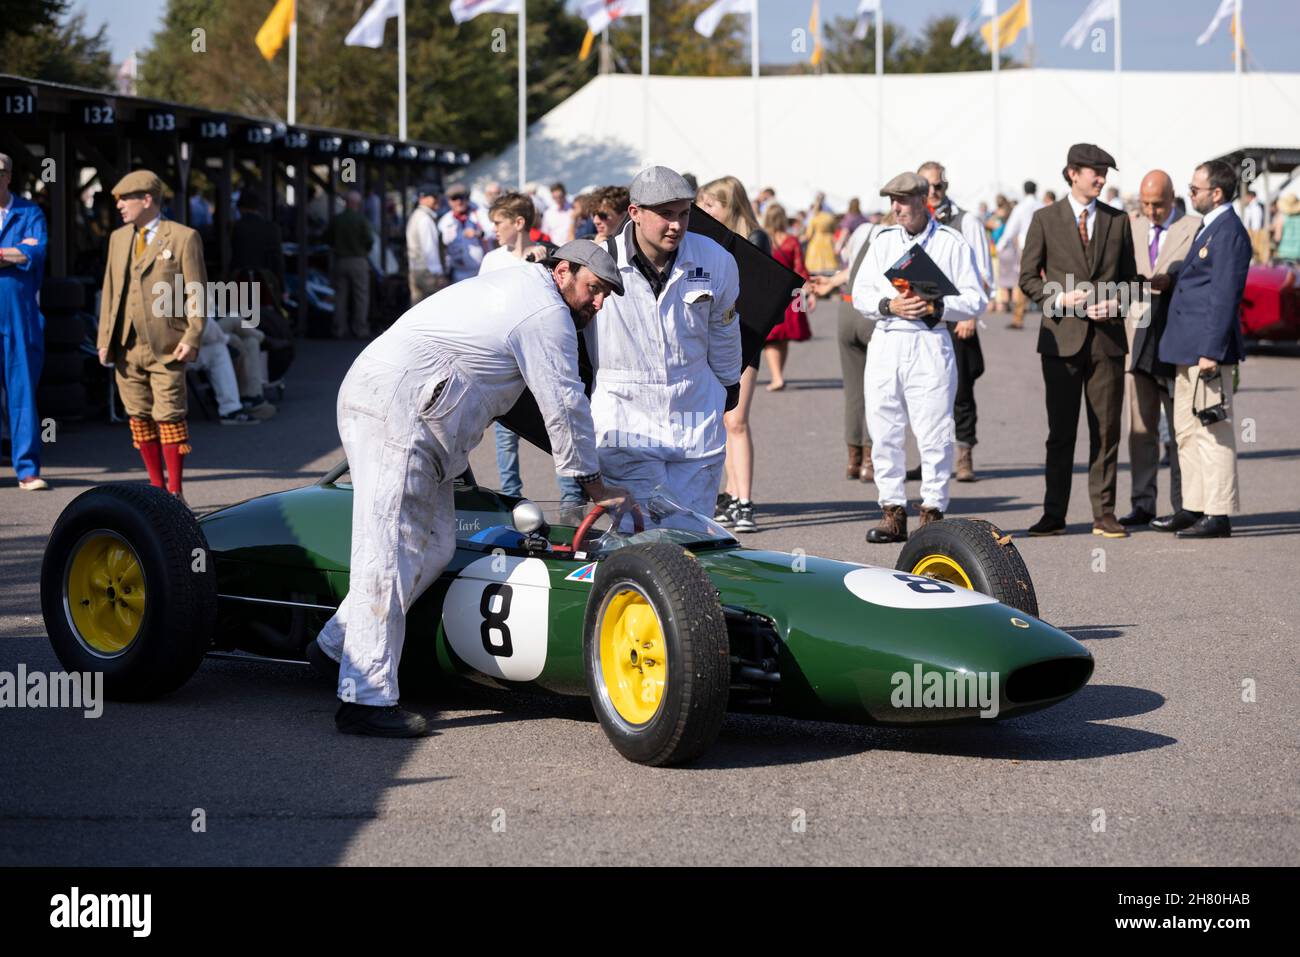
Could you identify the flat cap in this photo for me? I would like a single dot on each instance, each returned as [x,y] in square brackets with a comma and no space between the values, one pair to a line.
[1090,155]
[139,181]
[457,189]
[594,257]
[427,189]
[906,184]
[659,184]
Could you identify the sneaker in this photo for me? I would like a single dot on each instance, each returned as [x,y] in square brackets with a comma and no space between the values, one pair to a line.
[743,516]
[259,408]
[240,417]
[723,512]
[33,484]
[391,721]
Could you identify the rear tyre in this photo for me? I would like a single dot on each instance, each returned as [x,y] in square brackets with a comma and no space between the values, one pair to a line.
[971,553]
[656,653]
[129,588]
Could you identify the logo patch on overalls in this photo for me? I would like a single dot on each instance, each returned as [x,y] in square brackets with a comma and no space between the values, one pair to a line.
[698,275]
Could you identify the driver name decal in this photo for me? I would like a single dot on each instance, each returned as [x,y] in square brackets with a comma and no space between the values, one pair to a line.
[496,614]
[895,589]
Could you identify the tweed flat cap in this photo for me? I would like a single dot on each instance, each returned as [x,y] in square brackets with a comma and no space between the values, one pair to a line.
[139,181]
[906,184]
[594,257]
[659,184]
[1091,156]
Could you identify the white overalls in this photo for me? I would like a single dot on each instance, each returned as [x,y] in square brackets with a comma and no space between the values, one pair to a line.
[911,375]
[411,408]
[662,371]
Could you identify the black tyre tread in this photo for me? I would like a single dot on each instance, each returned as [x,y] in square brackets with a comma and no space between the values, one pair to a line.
[190,612]
[62,367]
[999,560]
[64,330]
[687,589]
[59,295]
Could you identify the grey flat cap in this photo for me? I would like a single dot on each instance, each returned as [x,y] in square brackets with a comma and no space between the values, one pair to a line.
[659,184]
[906,184]
[594,257]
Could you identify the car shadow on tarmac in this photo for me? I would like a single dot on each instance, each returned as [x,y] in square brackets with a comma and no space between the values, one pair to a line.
[811,514]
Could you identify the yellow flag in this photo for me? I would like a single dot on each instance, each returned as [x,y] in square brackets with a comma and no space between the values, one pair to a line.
[1239,39]
[1009,26]
[275,30]
[816,35]
[587,41]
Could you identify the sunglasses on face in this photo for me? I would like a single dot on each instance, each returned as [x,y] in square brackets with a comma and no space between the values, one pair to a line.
[602,214]
[938,187]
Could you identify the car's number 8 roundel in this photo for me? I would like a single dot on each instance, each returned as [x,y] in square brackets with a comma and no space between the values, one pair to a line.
[496,616]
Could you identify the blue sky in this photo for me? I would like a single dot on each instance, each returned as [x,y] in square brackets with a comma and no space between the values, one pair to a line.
[1157,34]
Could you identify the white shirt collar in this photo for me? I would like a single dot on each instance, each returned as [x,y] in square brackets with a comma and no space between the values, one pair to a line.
[1214,214]
[1078,209]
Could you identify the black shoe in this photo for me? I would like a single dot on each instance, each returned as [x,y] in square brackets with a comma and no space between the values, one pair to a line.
[240,417]
[1176,522]
[1208,526]
[743,513]
[913,475]
[391,721]
[1047,526]
[724,512]
[1139,516]
[321,663]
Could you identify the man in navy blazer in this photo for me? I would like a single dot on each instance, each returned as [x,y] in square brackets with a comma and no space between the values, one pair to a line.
[22,328]
[1202,340]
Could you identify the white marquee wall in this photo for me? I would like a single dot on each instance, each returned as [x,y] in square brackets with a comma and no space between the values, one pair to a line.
[820,132]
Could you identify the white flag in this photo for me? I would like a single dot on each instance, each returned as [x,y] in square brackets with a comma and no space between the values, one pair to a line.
[599,14]
[1097,11]
[707,21]
[983,10]
[462,10]
[865,9]
[369,30]
[1226,9]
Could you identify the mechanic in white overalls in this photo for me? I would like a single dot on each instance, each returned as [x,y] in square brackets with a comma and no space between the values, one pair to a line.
[666,353]
[911,374]
[411,408]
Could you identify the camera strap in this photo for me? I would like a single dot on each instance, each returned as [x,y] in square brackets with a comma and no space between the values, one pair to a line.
[1202,382]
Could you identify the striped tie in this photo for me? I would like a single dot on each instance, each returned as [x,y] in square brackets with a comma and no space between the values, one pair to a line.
[1083,228]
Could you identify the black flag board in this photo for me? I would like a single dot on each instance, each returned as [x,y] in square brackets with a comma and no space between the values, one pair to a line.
[766,289]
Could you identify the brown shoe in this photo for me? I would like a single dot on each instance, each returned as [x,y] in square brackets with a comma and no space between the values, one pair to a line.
[929,515]
[892,527]
[1109,526]
[854,470]
[868,473]
[965,464]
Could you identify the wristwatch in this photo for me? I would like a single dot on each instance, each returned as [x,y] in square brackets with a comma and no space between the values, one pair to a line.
[884,306]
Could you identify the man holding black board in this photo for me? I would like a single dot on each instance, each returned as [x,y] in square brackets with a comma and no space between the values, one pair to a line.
[917,275]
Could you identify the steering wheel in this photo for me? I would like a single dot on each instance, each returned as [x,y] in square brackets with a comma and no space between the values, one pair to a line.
[638,525]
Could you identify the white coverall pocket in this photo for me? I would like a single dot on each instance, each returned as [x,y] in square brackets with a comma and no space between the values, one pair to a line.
[696,306]
[369,388]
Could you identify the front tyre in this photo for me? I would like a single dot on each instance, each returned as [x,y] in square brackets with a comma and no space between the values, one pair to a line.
[656,654]
[129,589]
[971,553]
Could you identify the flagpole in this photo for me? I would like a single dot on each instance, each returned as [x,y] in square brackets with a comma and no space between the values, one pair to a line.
[753,57]
[1238,47]
[645,85]
[997,113]
[401,71]
[523,107]
[293,67]
[1119,82]
[1029,7]
[880,92]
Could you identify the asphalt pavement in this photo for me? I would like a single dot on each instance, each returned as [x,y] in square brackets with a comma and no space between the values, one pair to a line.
[1181,750]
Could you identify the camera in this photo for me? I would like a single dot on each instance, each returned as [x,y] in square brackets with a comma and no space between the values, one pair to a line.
[1215,413]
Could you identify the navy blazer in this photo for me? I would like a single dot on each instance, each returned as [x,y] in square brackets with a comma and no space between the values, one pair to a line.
[1208,286]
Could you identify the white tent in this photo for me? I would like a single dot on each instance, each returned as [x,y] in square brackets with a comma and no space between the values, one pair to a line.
[819,133]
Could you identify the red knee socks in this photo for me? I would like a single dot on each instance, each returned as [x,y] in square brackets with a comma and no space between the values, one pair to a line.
[172,452]
[152,453]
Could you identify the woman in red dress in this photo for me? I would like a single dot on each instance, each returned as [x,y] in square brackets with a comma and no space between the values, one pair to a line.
[786,251]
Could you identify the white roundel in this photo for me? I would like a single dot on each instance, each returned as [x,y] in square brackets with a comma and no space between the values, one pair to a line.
[895,589]
[497,616]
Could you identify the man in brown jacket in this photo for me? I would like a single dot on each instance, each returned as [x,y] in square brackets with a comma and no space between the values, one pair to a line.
[151,319]
[1078,265]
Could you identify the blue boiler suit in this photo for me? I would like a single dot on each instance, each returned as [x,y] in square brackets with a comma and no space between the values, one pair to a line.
[22,331]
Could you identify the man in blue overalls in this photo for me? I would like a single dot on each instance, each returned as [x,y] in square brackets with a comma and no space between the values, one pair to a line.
[22,327]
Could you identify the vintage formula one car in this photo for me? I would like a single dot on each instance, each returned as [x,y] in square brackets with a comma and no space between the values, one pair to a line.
[659,615]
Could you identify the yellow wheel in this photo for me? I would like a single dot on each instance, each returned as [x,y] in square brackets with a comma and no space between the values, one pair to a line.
[129,590]
[104,593]
[656,654]
[944,569]
[633,655]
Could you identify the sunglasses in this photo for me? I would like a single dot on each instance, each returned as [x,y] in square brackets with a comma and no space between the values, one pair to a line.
[602,214]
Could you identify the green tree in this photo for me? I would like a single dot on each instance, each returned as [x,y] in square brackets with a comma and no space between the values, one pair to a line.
[676,49]
[44,42]
[931,52]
